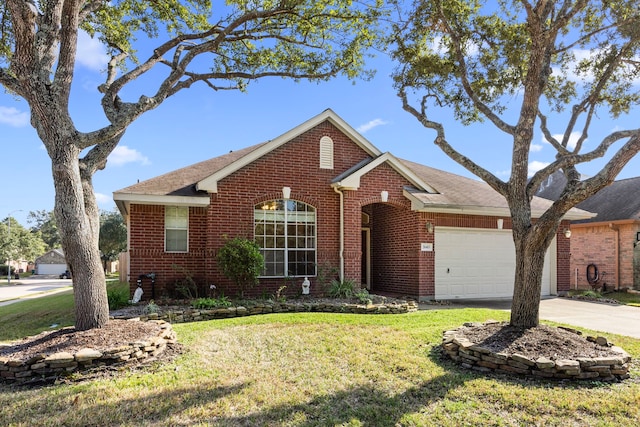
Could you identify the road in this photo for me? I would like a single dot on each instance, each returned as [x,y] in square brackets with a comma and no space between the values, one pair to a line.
[32,287]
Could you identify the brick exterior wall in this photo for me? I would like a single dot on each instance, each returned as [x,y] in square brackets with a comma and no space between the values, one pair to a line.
[398,264]
[611,248]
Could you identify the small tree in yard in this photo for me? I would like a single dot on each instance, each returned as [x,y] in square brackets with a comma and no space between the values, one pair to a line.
[241,261]
[222,47]
[518,64]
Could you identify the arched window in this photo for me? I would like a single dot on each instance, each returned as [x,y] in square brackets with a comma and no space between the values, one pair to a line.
[285,230]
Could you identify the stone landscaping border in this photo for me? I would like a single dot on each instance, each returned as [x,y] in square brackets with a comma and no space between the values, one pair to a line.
[48,368]
[476,357]
[196,315]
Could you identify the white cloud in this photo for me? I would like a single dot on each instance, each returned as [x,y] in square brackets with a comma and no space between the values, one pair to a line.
[535,166]
[91,52]
[122,155]
[582,54]
[370,125]
[534,148]
[103,199]
[573,140]
[13,117]
[506,173]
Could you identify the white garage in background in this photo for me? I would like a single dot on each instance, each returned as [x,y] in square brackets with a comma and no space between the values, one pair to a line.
[480,263]
[53,262]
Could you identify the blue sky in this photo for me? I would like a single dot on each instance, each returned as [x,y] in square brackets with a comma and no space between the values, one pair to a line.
[199,124]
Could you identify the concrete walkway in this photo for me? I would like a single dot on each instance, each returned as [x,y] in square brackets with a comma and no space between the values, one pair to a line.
[615,319]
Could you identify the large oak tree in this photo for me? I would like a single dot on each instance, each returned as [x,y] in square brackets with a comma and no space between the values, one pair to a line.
[222,45]
[518,65]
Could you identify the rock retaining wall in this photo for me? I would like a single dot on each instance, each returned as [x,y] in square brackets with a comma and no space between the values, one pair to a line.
[473,356]
[195,315]
[47,368]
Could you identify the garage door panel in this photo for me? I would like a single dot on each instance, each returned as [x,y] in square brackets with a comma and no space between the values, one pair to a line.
[473,263]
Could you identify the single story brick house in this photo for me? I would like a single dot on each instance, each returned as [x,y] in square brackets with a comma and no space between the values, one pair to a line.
[605,249]
[52,262]
[321,199]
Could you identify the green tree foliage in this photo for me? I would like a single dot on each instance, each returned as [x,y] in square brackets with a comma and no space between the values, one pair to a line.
[171,45]
[517,65]
[44,222]
[22,244]
[241,261]
[113,236]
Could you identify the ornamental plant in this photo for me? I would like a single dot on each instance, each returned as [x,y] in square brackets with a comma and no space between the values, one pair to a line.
[241,261]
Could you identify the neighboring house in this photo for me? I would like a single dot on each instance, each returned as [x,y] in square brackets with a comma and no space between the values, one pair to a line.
[605,250]
[321,196]
[52,262]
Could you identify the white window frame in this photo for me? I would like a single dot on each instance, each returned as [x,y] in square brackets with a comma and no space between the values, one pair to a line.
[167,212]
[282,217]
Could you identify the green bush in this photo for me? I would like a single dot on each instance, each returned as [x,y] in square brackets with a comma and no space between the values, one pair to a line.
[118,296]
[241,261]
[363,296]
[208,303]
[342,289]
[3,270]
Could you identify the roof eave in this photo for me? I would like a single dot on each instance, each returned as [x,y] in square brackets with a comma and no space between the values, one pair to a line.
[124,200]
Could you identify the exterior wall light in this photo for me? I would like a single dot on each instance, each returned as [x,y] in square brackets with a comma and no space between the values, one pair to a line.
[500,223]
[567,233]
[286,192]
[429,227]
[384,196]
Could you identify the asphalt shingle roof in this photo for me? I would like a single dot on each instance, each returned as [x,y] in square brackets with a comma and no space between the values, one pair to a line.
[618,201]
[181,182]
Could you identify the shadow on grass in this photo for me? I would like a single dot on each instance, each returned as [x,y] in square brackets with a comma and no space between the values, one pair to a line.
[204,401]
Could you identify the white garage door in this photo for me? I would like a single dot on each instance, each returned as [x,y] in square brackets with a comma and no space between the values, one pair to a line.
[478,263]
[51,268]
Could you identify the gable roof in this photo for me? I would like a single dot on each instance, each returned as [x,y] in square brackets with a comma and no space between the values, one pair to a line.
[210,183]
[53,256]
[350,179]
[432,190]
[459,194]
[617,202]
[178,187]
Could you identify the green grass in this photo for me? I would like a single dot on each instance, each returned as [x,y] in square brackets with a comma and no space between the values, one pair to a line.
[32,316]
[317,369]
[627,298]
[29,317]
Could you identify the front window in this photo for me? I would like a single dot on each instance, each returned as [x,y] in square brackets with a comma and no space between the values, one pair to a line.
[285,230]
[176,228]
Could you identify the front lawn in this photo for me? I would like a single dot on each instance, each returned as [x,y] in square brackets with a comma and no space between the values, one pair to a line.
[627,298]
[317,369]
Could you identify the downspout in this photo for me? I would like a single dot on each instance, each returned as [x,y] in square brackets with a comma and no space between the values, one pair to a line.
[341,232]
[617,240]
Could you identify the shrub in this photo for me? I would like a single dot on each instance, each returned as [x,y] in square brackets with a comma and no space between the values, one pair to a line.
[152,307]
[342,289]
[185,287]
[207,303]
[241,261]
[3,270]
[363,296]
[118,296]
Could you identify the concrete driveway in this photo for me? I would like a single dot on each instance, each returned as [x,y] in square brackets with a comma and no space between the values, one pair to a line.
[615,319]
[32,287]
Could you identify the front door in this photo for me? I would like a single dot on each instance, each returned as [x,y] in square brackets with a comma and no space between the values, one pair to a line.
[365,273]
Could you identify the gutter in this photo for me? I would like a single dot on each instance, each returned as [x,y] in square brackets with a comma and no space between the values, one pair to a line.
[616,228]
[341,232]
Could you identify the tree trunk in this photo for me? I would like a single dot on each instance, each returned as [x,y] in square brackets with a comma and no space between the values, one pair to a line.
[77,217]
[528,282]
